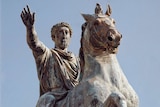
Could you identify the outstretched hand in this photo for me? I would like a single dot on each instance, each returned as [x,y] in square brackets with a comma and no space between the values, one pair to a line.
[28,17]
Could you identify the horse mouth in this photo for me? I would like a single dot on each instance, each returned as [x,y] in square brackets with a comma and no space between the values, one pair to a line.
[111,45]
[112,48]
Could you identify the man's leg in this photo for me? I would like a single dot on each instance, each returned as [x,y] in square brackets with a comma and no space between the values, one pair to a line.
[46,100]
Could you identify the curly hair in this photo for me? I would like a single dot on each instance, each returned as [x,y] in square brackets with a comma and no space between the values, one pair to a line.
[58,25]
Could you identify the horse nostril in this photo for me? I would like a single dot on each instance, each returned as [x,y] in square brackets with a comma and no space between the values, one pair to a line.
[110,38]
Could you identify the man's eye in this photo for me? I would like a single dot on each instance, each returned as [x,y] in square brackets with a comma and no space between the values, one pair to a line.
[60,31]
[66,32]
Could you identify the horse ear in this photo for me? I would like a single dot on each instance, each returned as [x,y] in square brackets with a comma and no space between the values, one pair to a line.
[88,17]
[109,11]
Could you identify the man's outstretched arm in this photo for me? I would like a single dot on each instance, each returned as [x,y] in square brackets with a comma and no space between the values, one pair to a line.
[28,19]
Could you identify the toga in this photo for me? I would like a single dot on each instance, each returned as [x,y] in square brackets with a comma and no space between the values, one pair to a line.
[58,71]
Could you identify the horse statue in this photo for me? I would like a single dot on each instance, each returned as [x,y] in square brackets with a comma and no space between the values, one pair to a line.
[103,82]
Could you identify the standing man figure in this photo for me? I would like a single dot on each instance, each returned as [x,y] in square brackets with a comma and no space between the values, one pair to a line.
[58,70]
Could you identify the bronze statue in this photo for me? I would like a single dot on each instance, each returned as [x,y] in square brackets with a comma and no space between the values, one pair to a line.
[103,83]
[58,69]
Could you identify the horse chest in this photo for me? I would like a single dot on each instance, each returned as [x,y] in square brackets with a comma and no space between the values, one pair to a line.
[106,69]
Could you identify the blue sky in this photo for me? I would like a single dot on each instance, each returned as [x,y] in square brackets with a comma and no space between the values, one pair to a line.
[139,52]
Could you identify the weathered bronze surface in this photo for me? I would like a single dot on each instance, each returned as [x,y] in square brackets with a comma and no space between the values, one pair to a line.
[103,83]
[58,70]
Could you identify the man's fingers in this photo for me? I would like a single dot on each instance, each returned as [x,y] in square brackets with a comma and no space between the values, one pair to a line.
[22,17]
[22,14]
[25,11]
[33,16]
[28,9]
[28,18]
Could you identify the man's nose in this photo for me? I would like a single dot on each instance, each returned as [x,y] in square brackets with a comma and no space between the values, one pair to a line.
[64,33]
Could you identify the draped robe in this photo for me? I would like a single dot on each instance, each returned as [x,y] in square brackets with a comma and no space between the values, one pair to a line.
[58,71]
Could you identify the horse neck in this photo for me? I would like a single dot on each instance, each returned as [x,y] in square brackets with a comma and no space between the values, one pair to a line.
[95,61]
[87,46]
[100,66]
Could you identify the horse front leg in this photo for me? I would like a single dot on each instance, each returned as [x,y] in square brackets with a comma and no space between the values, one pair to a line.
[115,100]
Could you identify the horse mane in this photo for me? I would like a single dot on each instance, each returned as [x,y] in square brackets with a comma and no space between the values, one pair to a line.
[98,10]
[81,53]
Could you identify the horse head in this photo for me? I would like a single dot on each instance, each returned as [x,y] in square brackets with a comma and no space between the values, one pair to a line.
[99,33]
